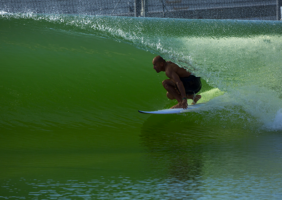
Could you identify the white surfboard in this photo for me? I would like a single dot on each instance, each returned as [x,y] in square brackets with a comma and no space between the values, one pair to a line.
[175,110]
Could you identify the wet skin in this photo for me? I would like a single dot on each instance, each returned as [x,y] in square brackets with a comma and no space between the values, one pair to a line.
[174,72]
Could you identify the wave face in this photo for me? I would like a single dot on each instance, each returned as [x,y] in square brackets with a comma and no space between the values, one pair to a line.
[65,69]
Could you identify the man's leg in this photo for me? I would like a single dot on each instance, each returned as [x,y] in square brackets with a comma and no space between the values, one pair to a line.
[172,93]
[193,83]
[194,97]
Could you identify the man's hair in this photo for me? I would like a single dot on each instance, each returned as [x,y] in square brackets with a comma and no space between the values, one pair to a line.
[159,59]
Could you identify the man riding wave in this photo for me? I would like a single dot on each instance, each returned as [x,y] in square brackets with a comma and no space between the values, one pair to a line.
[181,85]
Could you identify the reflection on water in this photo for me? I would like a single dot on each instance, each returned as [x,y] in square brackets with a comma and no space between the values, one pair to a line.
[178,158]
[218,162]
[171,143]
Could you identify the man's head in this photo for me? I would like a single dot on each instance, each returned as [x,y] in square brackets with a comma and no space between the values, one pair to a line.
[159,64]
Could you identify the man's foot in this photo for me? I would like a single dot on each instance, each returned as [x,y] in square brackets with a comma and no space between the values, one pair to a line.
[176,106]
[180,105]
[196,99]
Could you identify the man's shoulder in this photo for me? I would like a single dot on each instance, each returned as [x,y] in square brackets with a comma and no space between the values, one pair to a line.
[170,63]
[171,69]
[172,66]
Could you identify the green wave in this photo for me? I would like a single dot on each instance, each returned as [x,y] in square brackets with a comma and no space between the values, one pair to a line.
[91,71]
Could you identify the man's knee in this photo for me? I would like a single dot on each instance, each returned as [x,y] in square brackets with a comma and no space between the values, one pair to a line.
[166,83]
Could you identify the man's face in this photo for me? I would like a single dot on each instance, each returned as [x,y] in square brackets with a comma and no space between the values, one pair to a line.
[157,66]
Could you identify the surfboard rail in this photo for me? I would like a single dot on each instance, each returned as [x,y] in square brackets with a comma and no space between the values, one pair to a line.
[174,110]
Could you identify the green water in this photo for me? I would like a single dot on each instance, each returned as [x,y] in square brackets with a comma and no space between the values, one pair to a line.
[70,88]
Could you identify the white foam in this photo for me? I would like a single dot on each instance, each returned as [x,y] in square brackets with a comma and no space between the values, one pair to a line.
[277,122]
[2,12]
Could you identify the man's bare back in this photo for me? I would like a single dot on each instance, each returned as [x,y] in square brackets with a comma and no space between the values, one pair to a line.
[174,85]
[172,67]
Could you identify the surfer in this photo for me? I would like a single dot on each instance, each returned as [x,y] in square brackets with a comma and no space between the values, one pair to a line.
[181,85]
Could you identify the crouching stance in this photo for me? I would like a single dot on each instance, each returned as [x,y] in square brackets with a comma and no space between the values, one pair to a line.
[181,85]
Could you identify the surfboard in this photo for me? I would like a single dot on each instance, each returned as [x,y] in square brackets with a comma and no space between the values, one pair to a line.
[175,110]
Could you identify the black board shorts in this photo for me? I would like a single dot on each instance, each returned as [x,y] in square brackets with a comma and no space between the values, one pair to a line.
[192,84]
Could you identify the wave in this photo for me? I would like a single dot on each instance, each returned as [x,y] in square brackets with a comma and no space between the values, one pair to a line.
[239,62]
